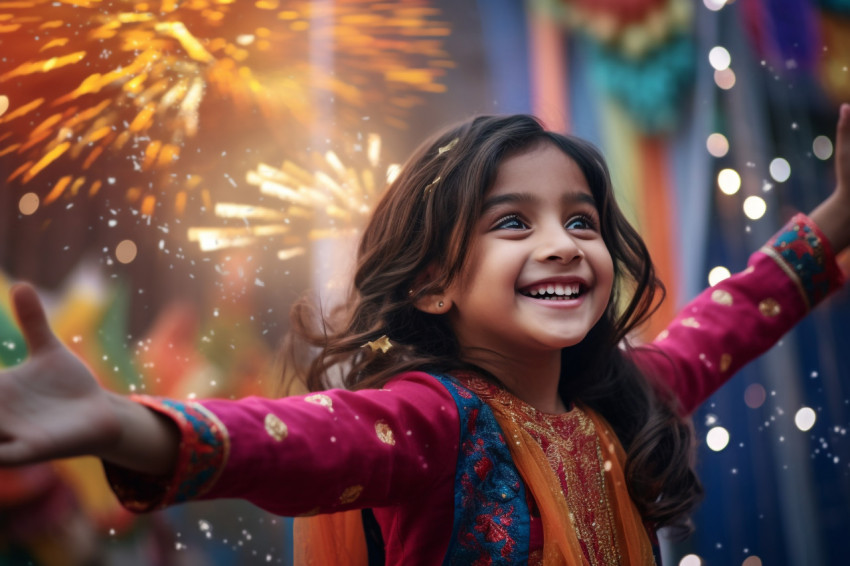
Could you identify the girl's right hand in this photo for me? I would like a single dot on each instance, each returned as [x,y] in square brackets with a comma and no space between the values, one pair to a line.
[51,406]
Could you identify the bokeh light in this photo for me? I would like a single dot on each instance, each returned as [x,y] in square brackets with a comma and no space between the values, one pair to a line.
[717,438]
[718,274]
[28,204]
[755,395]
[805,418]
[719,58]
[729,181]
[751,561]
[126,251]
[822,147]
[725,79]
[754,207]
[691,559]
[717,145]
[714,5]
[780,170]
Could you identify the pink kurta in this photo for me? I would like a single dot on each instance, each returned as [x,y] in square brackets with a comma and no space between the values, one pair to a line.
[397,449]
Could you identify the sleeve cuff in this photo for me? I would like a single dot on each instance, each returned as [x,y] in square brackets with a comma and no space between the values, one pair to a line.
[804,253]
[204,450]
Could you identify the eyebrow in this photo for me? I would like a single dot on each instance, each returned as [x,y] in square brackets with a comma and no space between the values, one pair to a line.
[513,198]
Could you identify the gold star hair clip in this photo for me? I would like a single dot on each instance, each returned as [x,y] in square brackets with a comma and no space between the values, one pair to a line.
[383,344]
[448,147]
[440,151]
[430,185]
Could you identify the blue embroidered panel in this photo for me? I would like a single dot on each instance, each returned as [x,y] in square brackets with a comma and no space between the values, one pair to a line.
[206,453]
[802,251]
[491,519]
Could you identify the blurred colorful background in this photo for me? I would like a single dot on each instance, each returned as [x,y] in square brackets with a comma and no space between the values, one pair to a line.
[176,173]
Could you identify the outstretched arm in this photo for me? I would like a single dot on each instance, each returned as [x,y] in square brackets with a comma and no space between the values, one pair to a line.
[738,319]
[833,215]
[52,407]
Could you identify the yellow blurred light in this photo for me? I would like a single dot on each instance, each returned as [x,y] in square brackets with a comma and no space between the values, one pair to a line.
[754,207]
[729,181]
[691,559]
[718,274]
[717,438]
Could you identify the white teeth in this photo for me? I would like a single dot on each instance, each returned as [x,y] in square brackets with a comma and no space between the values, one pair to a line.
[551,290]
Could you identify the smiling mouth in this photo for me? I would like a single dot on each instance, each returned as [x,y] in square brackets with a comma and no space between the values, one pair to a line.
[554,291]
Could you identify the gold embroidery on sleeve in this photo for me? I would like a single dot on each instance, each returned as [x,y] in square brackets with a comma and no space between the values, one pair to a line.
[385,433]
[722,297]
[725,362]
[321,399]
[350,494]
[276,428]
[690,322]
[770,307]
[663,334]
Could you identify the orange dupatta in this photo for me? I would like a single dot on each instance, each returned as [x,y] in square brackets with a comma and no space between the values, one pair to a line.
[560,544]
[338,539]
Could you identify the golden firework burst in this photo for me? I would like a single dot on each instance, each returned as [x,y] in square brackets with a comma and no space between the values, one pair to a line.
[162,86]
[337,195]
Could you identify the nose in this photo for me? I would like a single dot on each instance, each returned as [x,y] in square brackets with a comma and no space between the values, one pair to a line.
[557,244]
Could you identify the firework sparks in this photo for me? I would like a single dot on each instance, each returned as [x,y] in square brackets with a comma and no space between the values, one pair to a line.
[152,84]
[342,195]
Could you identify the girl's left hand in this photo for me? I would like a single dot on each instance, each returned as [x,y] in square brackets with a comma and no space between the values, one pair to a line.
[833,215]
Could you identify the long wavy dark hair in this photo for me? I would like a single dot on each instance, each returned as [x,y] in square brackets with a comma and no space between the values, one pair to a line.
[425,221]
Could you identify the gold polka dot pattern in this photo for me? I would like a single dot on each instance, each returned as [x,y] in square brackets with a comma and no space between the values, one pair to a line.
[350,494]
[725,362]
[770,307]
[722,297]
[385,433]
[321,399]
[276,428]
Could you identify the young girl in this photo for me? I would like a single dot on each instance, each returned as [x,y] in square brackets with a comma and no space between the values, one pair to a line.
[492,410]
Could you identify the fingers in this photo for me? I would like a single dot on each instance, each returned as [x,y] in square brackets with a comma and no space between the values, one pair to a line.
[31,317]
[14,453]
[842,138]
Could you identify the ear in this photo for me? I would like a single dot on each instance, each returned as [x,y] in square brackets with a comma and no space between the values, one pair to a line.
[436,302]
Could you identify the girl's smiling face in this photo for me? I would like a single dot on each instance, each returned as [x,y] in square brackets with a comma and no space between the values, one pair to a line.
[539,275]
